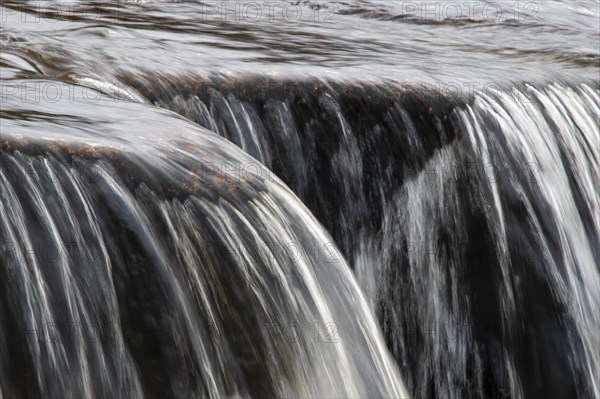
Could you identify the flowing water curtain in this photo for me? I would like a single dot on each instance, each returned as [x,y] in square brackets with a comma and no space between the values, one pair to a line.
[508,281]
[462,234]
[479,244]
[133,266]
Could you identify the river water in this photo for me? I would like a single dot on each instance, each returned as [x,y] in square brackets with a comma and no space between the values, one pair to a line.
[300,199]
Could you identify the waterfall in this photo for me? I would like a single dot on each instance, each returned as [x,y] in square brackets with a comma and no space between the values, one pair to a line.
[162,261]
[471,222]
[300,199]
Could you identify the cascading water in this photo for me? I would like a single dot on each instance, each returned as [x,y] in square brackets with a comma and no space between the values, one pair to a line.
[136,265]
[480,257]
[143,255]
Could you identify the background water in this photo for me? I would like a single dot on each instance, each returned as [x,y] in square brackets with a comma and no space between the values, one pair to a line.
[427,41]
[449,149]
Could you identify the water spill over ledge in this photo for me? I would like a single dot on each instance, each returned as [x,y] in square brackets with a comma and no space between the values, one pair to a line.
[470,221]
[134,266]
[144,256]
